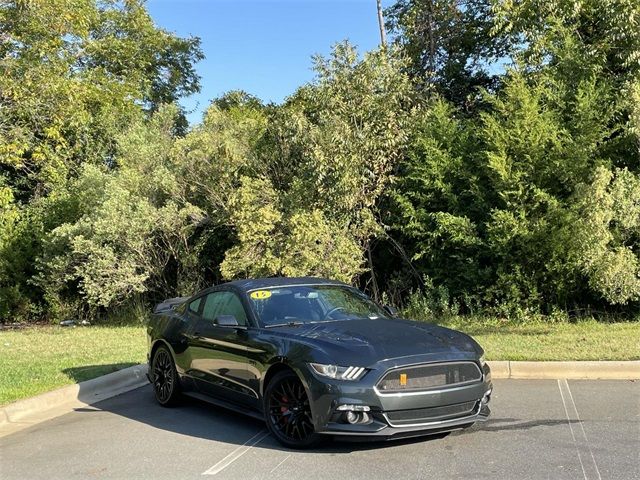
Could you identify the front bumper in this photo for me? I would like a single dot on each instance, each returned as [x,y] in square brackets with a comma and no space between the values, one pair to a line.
[380,428]
[326,396]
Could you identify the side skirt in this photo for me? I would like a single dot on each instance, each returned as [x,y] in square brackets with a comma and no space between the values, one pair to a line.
[224,404]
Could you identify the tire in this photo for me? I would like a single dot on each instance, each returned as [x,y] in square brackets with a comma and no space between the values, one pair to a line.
[288,413]
[166,384]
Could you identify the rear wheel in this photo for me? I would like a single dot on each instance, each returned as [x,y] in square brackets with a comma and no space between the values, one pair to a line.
[288,413]
[165,377]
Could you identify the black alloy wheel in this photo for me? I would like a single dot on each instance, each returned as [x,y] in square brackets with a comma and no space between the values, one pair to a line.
[288,413]
[165,378]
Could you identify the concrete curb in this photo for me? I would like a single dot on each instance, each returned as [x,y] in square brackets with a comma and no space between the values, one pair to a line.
[610,370]
[27,412]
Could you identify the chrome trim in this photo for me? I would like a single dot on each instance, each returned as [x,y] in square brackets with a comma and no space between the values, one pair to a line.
[303,284]
[437,422]
[444,388]
[423,392]
[355,408]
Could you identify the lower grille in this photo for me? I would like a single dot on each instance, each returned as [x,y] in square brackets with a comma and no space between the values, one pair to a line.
[428,376]
[433,414]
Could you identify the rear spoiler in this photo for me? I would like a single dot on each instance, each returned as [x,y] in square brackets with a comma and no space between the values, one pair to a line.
[168,304]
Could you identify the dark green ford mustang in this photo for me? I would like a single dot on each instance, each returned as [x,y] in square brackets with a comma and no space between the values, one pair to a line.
[316,358]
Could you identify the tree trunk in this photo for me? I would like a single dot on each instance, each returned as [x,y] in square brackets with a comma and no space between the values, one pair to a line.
[374,283]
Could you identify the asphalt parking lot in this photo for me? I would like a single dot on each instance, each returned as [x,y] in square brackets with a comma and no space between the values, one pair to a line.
[542,429]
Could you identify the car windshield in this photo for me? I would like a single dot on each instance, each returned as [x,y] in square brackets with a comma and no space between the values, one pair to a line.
[312,303]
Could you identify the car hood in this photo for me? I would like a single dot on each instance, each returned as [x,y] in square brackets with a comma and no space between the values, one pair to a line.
[383,338]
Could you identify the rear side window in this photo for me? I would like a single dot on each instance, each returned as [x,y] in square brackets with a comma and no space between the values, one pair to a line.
[224,303]
[195,305]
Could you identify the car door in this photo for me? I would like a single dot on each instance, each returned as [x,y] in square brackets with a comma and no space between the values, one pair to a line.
[190,315]
[218,354]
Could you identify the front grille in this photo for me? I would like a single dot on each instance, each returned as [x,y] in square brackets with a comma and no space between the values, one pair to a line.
[425,377]
[433,414]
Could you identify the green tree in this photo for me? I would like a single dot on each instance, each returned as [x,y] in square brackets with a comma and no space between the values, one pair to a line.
[323,162]
[604,237]
[577,38]
[271,242]
[439,201]
[514,206]
[131,230]
[71,75]
[449,42]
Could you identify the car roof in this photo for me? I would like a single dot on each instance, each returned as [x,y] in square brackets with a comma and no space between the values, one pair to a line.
[256,283]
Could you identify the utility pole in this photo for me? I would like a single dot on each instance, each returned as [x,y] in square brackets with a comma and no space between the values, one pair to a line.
[383,34]
[432,43]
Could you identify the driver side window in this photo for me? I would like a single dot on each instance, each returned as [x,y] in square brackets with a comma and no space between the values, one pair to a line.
[223,303]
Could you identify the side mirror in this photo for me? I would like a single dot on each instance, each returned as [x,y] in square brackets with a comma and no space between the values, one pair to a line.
[391,310]
[226,321]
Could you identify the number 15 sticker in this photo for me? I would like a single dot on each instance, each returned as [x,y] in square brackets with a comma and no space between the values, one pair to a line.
[260,294]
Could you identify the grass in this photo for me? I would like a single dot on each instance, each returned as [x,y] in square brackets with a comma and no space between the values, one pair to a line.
[39,359]
[543,341]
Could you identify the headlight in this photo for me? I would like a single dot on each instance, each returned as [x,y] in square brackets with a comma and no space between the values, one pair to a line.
[482,361]
[339,373]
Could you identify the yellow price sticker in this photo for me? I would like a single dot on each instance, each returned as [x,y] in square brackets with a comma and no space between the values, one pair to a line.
[260,294]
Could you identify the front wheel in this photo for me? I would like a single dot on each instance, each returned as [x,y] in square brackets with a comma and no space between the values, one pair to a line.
[288,413]
[165,377]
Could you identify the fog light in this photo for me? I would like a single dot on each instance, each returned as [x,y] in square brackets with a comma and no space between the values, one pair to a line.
[352,417]
[357,418]
[487,397]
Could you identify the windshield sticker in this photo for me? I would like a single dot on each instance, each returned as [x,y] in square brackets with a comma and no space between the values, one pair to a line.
[260,294]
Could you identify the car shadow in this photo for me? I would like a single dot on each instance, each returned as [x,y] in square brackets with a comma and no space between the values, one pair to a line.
[509,424]
[88,372]
[196,418]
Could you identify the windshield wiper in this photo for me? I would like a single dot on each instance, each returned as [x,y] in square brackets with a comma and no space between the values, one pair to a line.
[286,324]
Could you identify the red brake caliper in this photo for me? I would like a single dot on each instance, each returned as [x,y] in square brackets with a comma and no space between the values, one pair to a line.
[284,409]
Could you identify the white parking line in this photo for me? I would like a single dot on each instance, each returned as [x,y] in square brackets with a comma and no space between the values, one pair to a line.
[237,453]
[571,428]
[278,465]
[580,442]
[584,434]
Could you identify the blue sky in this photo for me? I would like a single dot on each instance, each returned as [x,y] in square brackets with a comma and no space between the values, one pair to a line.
[263,46]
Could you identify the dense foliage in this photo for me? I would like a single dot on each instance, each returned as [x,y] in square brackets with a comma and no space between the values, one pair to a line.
[489,159]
